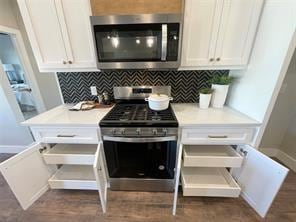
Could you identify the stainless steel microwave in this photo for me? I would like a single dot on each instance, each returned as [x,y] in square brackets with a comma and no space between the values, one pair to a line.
[147,41]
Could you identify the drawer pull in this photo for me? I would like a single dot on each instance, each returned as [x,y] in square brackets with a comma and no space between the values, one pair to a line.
[66,136]
[217,137]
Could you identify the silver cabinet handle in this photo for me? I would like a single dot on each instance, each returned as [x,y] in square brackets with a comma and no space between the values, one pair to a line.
[67,136]
[217,137]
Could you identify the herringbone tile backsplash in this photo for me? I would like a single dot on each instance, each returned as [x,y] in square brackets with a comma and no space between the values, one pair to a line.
[75,86]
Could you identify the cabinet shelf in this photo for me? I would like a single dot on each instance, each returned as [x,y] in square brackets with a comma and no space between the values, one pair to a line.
[71,154]
[208,182]
[74,177]
[211,156]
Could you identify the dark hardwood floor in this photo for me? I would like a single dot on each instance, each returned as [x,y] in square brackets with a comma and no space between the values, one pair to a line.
[67,205]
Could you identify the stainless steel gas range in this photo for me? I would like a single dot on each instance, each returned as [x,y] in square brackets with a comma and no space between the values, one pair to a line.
[140,144]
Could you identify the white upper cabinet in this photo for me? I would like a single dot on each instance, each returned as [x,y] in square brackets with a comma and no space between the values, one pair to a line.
[201,26]
[42,25]
[60,34]
[75,26]
[219,33]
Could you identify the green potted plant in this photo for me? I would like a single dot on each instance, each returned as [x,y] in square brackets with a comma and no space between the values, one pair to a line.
[220,85]
[205,95]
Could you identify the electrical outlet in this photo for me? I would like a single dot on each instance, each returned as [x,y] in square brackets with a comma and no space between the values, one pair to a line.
[93,90]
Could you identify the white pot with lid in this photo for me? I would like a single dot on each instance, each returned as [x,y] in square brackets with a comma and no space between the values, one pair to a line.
[158,102]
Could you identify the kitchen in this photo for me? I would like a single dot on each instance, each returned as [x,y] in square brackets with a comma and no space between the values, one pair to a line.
[179,56]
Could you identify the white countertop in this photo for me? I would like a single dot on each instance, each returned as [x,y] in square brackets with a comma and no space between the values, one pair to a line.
[189,114]
[61,116]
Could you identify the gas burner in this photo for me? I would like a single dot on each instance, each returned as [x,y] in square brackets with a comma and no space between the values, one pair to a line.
[156,118]
[132,110]
[138,114]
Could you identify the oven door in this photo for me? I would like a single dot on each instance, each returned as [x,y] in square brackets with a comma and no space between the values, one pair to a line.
[138,165]
[135,44]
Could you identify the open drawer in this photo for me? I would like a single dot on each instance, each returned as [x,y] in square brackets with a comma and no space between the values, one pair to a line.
[83,154]
[211,156]
[74,177]
[216,182]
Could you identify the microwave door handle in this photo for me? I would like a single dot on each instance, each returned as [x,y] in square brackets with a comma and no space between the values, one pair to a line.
[164,41]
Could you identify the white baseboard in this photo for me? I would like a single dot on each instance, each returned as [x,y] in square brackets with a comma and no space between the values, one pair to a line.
[287,160]
[281,156]
[11,149]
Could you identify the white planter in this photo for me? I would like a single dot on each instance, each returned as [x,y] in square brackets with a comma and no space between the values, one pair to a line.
[219,95]
[204,100]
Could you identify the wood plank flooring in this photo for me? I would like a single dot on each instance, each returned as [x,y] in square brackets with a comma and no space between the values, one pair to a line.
[67,205]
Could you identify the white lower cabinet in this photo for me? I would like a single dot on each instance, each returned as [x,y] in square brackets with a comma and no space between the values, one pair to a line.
[228,171]
[62,166]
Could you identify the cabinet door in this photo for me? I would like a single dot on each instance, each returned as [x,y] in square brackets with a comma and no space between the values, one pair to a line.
[27,174]
[238,26]
[75,25]
[43,28]
[101,176]
[201,24]
[260,178]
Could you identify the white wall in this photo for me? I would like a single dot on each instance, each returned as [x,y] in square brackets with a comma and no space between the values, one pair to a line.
[283,112]
[252,93]
[6,14]
[11,133]
[289,140]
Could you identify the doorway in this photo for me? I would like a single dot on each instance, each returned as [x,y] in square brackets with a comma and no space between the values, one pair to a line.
[18,80]
[16,76]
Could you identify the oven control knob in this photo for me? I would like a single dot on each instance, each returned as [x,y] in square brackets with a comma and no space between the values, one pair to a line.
[122,131]
[165,131]
[138,131]
[154,131]
[113,131]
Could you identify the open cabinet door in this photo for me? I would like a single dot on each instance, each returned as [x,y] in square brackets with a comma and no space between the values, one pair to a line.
[260,178]
[27,175]
[101,177]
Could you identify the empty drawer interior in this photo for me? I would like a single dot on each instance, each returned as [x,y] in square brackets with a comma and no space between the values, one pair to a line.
[74,177]
[211,156]
[204,181]
[70,154]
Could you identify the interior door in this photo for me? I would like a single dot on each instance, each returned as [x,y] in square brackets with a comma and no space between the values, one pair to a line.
[101,177]
[27,174]
[201,25]
[43,28]
[237,30]
[260,178]
[76,29]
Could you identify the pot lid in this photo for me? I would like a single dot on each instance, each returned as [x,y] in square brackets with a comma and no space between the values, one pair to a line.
[158,97]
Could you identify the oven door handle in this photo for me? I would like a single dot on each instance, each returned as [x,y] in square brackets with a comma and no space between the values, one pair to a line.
[140,140]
